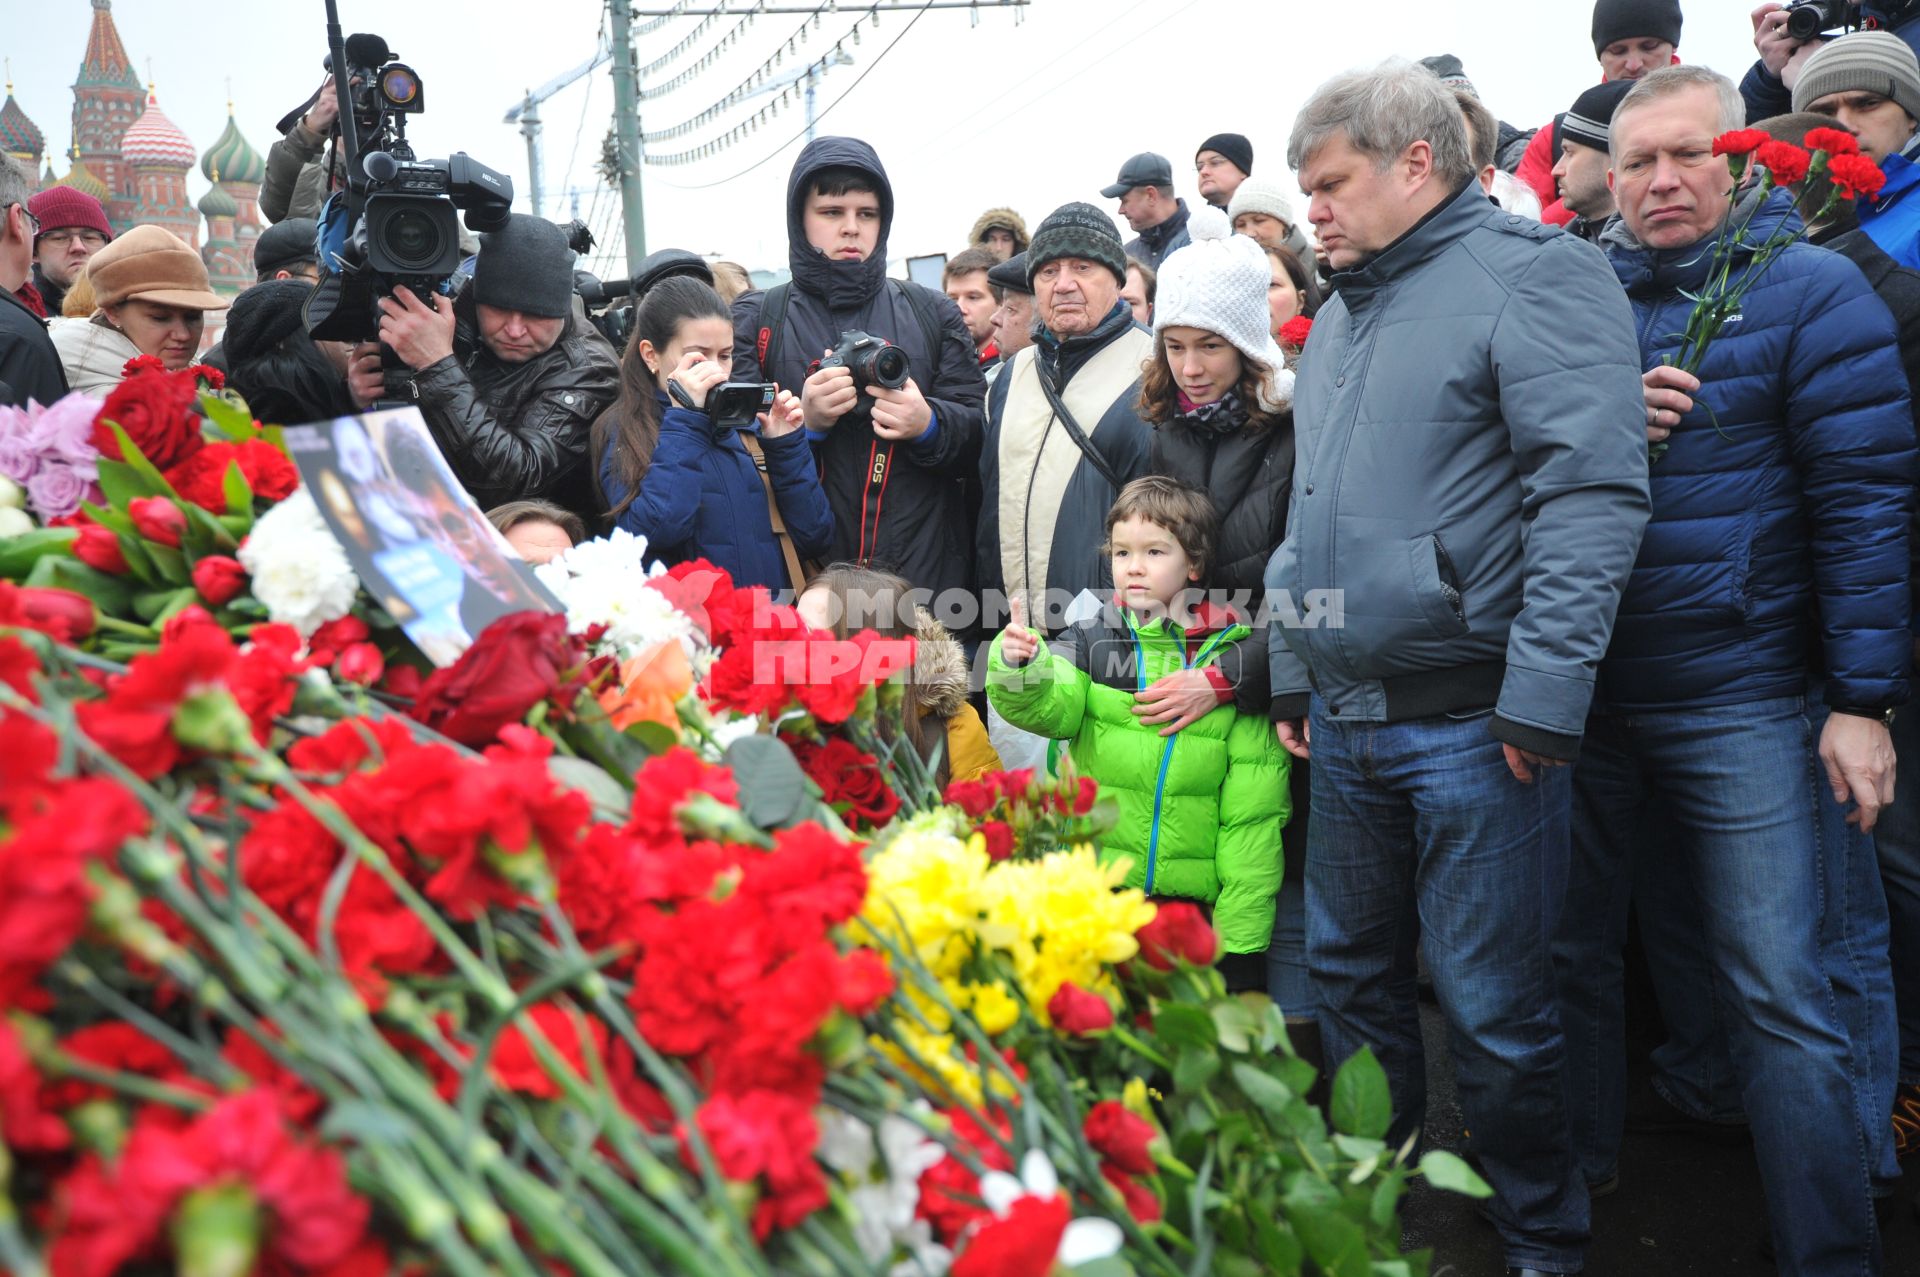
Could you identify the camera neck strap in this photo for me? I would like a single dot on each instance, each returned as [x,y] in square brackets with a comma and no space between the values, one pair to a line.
[797,572]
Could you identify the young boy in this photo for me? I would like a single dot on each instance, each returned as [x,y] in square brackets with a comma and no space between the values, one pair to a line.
[1200,810]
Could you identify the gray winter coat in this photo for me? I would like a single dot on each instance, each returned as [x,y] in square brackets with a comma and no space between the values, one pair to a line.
[296,183]
[1471,475]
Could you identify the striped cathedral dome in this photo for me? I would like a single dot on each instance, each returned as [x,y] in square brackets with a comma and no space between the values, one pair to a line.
[230,159]
[19,135]
[81,178]
[217,203]
[154,139]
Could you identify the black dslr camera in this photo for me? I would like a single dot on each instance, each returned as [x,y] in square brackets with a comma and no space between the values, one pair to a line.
[1807,19]
[401,213]
[873,361]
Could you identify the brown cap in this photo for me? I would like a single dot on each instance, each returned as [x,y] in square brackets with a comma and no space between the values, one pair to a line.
[155,266]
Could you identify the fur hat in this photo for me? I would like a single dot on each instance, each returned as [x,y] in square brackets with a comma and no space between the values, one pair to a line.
[1004,218]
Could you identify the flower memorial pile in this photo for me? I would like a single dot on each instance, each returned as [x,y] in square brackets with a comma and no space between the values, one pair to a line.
[635,941]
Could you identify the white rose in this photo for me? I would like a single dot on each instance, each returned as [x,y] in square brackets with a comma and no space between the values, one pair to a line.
[12,496]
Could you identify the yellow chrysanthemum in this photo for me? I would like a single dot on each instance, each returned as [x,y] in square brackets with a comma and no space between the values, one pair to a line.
[922,891]
[1061,919]
[992,1006]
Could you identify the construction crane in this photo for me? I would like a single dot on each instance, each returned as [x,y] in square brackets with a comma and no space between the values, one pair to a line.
[527,115]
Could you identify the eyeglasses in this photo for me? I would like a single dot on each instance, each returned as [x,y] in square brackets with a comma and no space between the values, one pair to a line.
[31,219]
[65,235]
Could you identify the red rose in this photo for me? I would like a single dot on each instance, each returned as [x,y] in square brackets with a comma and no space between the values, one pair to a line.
[850,781]
[1787,162]
[1021,1243]
[974,797]
[1294,332]
[219,579]
[1857,176]
[158,519]
[1078,1013]
[361,664]
[516,663]
[1085,794]
[1833,142]
[1741,142]
[999,838]
[202,477]
[1121,1136]
[99,549]
[1141,1202]
[155,408]
[1178,931]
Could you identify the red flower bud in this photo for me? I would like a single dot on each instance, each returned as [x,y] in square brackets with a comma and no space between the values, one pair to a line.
[62,613]
[99,549]
[158,519]
[403,681]
[1076,1012]
[361,664]
[1179,930]
[1121,1136]
[999,838]
[219,579]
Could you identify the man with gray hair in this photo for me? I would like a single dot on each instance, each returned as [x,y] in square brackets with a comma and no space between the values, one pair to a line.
[1767,612]
[1472,485]
[29,365]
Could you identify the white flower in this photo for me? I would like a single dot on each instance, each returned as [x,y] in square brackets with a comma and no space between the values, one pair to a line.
[1084,1241]
[299,571]
[604,582]
[883,1211]
[12,495]
[14,521]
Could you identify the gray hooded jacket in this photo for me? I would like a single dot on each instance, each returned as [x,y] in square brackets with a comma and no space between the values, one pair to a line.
[1470,476]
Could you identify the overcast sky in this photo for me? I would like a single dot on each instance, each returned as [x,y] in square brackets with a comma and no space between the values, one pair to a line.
[964,116]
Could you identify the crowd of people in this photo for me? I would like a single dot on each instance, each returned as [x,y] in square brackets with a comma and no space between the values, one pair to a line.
[1426,620]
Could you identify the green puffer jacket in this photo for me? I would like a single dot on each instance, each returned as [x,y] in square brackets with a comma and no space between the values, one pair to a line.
[1201,811]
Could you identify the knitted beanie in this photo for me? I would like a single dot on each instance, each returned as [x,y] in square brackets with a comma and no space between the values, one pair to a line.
[1236,149]
[1863,62]
[525,266]
[1219,283]
[1590,117]
[1635,19]
[262,317]
[1451,72]
[1077,230]
[59,206]
[1261,195]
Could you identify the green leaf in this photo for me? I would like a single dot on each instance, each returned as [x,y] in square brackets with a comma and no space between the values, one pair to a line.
[205,533]
[1446,1171]
[1358,1149]
[1384,1209]
[364,1123]
[1269,1092]
[122,483]
[151,605]
[228,418]
[773,789]
[1277,1245]
[109,593]
[133,548]
[19,554]
[610,799]
[109,517]
[1107,1266]
[1193,1068]
[1334,1242]
[1361,1102]
[1178,1026]
[233,486]
[1236,1025]
[170,563]
[131,454]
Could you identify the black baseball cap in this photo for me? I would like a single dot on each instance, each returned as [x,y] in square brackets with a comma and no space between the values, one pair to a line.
[1144,169]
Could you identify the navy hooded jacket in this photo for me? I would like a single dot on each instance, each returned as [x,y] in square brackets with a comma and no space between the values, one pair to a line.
[898,506]
[1778,542]
[702,498]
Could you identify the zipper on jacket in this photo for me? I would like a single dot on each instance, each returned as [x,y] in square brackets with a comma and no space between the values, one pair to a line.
[1166,751]
[1449,579]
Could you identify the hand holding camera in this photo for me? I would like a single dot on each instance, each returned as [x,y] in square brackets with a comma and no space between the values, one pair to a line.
[785,417]
[692,379]
[421,335]
[856,376]
[902,414]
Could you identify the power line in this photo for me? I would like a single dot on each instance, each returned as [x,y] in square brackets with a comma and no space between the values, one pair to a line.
[741,90]
[586,99]
[868,70]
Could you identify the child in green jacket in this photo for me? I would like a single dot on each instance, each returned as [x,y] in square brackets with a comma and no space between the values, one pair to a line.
[1201,809]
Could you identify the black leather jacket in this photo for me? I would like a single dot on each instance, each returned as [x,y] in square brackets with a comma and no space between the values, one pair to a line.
[516,431]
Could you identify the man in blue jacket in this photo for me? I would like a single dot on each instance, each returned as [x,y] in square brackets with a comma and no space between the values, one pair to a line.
[1765,90]
[892,461]
[1870,82]
[1471,481]
[1776,554]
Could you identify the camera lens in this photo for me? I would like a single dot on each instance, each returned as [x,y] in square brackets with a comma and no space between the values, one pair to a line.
[887,367]
[399,86]
[411,239]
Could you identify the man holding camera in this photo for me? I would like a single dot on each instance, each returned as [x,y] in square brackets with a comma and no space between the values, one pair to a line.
[1786,35]
[508,376]
[892,456]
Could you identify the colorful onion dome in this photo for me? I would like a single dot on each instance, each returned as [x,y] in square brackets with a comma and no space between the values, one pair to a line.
[81,178]
[230,159]
[18,134]
[154,139]
[217,203]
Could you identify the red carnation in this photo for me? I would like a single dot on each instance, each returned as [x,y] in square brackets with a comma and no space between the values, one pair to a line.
[516,1064]
[99,549]
[517,662]
[1078,1013]
[998,836]
[25,1124]
[219,579]
[1178,931]
[1741,141]
[1294,332]
[335,637]
[769,1138]
[202,477]
[158,519]
[1021,1243]
[1857,176]
[1787,162]
[1121,1136]
[1833,142]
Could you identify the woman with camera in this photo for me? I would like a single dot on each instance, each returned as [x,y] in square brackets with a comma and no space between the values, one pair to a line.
[676,468]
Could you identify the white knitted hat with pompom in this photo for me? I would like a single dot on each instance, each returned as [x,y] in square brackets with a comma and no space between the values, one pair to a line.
[1219,283]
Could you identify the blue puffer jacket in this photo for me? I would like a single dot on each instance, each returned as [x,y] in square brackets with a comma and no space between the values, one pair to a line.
[1891,219]
[702,498]
[1778,543]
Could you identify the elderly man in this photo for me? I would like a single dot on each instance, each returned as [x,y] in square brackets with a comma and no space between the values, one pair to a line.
[1013,316]
[508,377]
[1776,555]
[73,227]
[1473,487]
[29,365]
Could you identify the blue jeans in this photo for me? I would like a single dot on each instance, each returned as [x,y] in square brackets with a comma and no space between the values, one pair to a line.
[1740,785]
[1425,814]
[1897,839]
